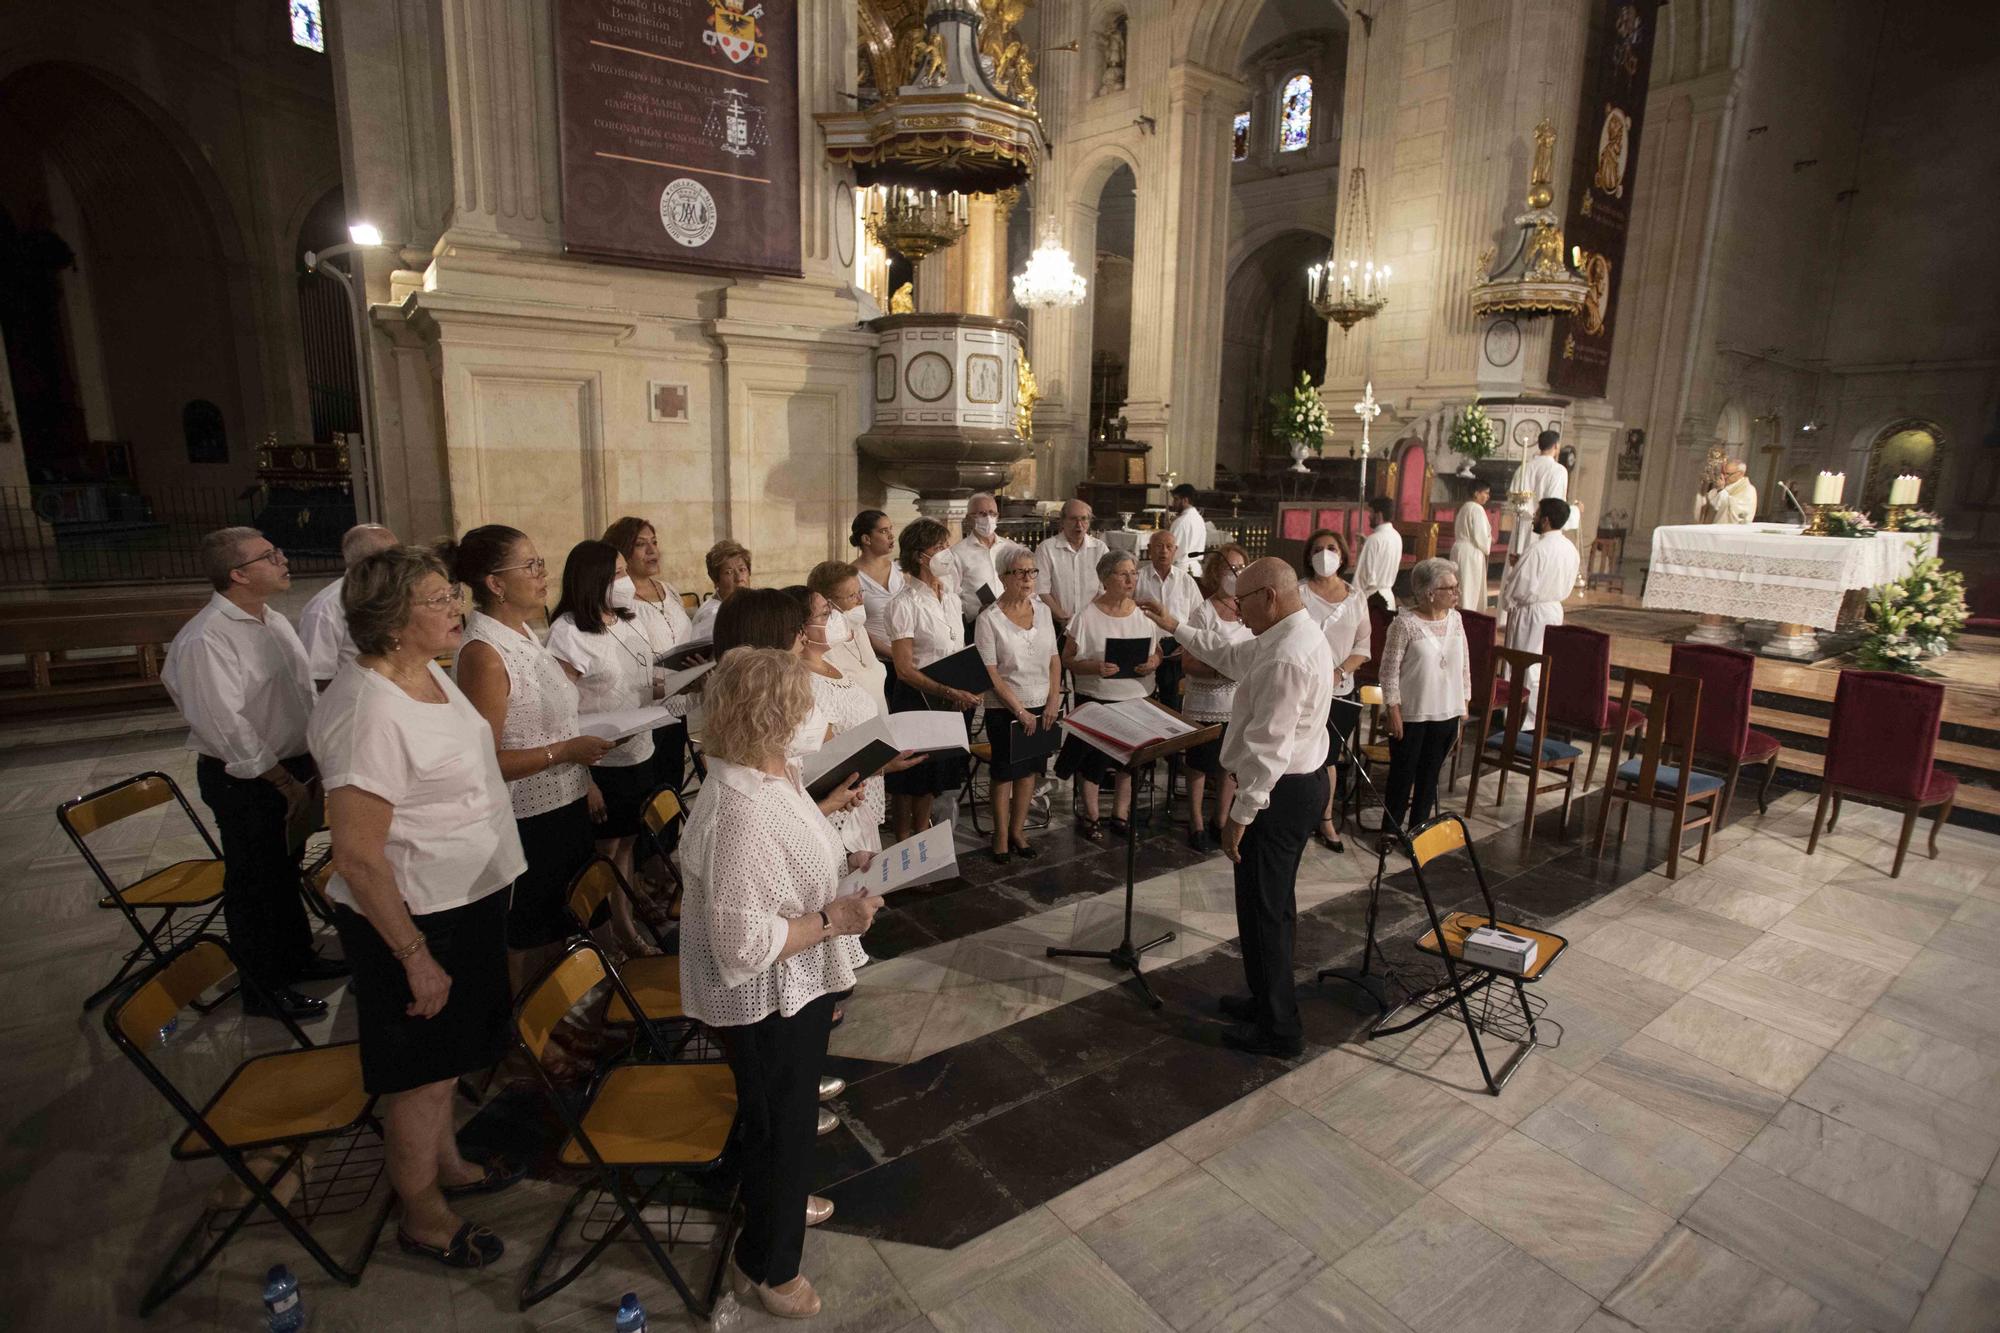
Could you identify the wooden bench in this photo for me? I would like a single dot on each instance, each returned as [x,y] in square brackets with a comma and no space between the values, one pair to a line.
[53,684]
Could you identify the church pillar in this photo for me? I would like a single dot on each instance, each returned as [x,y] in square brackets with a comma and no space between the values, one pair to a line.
[500,76]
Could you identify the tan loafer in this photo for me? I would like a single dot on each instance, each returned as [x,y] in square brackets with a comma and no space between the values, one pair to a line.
[831,1087]
[794,1300]
[817,1209]
[828,1121]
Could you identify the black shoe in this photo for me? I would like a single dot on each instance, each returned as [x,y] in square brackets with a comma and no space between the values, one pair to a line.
[1256,1041]
[323,969]
[298,1007]
[1239,1007]
[472,1247]
[998,858]
[1025,851]
[1200,841]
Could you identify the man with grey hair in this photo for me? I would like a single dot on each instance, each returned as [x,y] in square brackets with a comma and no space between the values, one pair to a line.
[1068,562]
[239,676]
[980,556]
[1276,746]
[323,625]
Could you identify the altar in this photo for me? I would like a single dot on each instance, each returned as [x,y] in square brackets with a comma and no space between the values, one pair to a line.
[1729,573]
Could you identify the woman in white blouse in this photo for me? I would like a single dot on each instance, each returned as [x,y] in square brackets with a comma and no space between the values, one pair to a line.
[763,954]
[843,703]
[728,565]
[612,663]
[848,646]
[873,537]
[924,626]
[1113,614]
[530,703]
[658,612]
[1342,614]
[1209,694]
[424,848]
[1016,638]
[1427,688]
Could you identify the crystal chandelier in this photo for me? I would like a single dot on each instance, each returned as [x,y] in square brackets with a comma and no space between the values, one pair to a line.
[914,222]
[1350,288]
[1050,281]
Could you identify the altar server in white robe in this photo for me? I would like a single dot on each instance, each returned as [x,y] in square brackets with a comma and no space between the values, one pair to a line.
[1471,546]
[1190,528]
[1540,478]
[1381,557]
[1533,589]
[1732,499]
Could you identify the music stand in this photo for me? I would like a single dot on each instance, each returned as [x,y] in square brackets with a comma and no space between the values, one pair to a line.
[1125,954]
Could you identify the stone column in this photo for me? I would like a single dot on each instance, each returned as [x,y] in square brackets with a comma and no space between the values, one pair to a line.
[500,76]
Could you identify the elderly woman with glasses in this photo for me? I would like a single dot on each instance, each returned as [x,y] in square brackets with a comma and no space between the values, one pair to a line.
[1112,616]
[1016,639]
[1427,688]
[425,846]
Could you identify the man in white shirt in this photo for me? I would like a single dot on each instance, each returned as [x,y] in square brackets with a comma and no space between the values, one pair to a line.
[1163,580]
[1381,557]
[1472,547]
[239,676]
[978,556]
[1732,499]
[323,624]
[1190,528]
[1276,746]
[1068,562]
[1540,478]
[1533,590]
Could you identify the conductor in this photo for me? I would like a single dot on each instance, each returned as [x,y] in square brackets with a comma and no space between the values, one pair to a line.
[1276,748]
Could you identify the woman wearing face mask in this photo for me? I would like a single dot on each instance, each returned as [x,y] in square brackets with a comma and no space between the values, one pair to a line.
[1113,614]
[924,627]
[1209,693]
[1342,613]
[873,536]
[848,648]
[843,703]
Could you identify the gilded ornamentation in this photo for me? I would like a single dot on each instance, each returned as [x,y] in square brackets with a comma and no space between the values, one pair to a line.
[1009,64]
[901,302]
[1026,394]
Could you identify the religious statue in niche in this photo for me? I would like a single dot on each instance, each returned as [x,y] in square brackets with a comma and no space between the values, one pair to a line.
[1632,458]
[1111,42]
[1611,140]
[901,302]
[1597,291]
[920,57]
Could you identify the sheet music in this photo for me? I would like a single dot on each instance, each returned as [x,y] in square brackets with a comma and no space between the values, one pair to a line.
[1128,725]
[625,722]
[917,731]
[916,860]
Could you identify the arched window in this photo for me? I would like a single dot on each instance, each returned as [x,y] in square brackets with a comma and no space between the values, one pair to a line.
[1239,143]
[307,28]
[1295,114]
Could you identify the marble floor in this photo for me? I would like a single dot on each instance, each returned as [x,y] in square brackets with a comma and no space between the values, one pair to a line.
[1770,1098]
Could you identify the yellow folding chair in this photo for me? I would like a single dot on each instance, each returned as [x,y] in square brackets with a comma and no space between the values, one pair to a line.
[183,886]
[271,1106]
[655,983]
[640,1129]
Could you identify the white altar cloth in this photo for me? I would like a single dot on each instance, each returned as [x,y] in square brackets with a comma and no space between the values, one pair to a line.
[1765,571]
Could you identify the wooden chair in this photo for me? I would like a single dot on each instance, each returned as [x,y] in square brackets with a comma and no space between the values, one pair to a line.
[1579,698]
[1654,779]
[259,1122]
[640,1129]
[1482,632]
[1723,734]
[1601,565]
[183,886]
[1510,748]
[1881,746]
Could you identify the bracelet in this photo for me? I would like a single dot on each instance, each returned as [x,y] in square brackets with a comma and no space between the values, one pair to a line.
[549,753]
[825,922]
[408,951]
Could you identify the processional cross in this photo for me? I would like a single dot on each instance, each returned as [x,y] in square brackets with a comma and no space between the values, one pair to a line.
[1367,409]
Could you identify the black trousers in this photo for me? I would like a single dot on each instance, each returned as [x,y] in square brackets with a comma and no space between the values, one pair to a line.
[777,1064]
[260,878]
[1267,897]
[1342,721]
[1414,764]
[1167,681]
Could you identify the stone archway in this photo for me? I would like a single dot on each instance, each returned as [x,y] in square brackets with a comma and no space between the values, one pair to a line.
[1269,335]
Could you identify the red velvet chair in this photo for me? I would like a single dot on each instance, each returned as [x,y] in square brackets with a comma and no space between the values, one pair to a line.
[1482,632]
[1723,734]
[1982,604]
[1880,747]
[1580,703]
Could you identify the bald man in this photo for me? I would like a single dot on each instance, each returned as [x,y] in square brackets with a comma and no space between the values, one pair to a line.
[1730,499]
[1276,748]
[323,624]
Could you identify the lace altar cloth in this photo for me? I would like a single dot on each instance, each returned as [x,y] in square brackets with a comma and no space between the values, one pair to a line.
[1763,571]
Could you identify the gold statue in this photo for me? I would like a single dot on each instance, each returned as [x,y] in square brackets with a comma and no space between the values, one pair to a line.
[920,57]
[902,302]
[1026,394]
[1541,178]
[1013,67]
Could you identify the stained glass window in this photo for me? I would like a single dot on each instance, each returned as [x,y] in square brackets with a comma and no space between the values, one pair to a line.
[1240,144]
[307,29]
[1296,114]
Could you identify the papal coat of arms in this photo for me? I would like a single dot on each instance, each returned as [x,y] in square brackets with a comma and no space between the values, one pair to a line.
[733,30]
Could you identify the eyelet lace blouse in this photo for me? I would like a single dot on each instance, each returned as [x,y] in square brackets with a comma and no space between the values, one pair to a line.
[541,710]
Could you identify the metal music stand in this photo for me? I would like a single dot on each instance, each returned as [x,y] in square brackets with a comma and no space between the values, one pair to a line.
[1125,955]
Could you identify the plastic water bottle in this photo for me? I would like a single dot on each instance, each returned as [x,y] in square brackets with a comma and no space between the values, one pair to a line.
[631,1314]
[284,1308]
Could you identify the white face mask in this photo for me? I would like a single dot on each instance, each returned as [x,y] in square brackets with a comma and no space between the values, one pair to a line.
[1326,562]
[837,628]
[808,739]
[622,593]
[985,525]
[1229,583]
[942,565]
[855,616]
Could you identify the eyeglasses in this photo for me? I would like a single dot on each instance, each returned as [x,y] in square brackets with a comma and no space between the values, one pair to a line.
[537,566]
[448,598]
[1022,573]
[274,555]
[1269,587]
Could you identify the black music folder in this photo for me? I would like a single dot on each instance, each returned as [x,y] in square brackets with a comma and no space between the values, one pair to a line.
[1128,655]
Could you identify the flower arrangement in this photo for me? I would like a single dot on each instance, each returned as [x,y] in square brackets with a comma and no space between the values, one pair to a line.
[1300,417]
[1917,616]
[1919,520]
[1472,434]
[1848,523]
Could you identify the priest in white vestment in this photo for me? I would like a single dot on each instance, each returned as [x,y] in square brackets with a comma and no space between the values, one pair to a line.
[1190,528]
[1471,546]
[1534,588]
[1381,557]
[1540,478]
[1732,499]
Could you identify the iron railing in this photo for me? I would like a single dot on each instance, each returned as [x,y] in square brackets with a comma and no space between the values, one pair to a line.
[109,532]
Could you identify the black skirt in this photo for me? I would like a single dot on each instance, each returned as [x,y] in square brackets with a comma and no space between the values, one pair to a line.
[556,843]
[625,791]
[936,775]
[469,1034]
[1079,758]
[999,731]
[1207,757]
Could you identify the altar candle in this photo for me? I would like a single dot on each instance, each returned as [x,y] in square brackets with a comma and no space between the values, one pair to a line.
[1839,486]
[1823,488]
[1905,490]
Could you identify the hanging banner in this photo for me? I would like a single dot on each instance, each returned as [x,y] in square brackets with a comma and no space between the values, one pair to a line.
[680,132]
[1615,76]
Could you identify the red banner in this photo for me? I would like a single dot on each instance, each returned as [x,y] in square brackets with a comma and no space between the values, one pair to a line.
[680,132]
[1606,148]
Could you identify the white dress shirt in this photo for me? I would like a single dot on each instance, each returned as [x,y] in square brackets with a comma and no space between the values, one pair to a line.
[1177,592]
[323,631]
[1277,724]
[1380,560]
[930,620]
[615,672]
[979,567]
[1020,657]
[1191,535]
[875,600]
[243,684]
[1069,574]
[1426,667]
[756,852]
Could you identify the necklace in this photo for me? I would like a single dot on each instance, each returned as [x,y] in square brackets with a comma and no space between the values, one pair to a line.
[642,658]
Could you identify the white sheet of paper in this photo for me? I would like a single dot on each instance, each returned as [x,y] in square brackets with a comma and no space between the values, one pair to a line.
[927,730]
[677,681]
[623,723]
[915,860]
